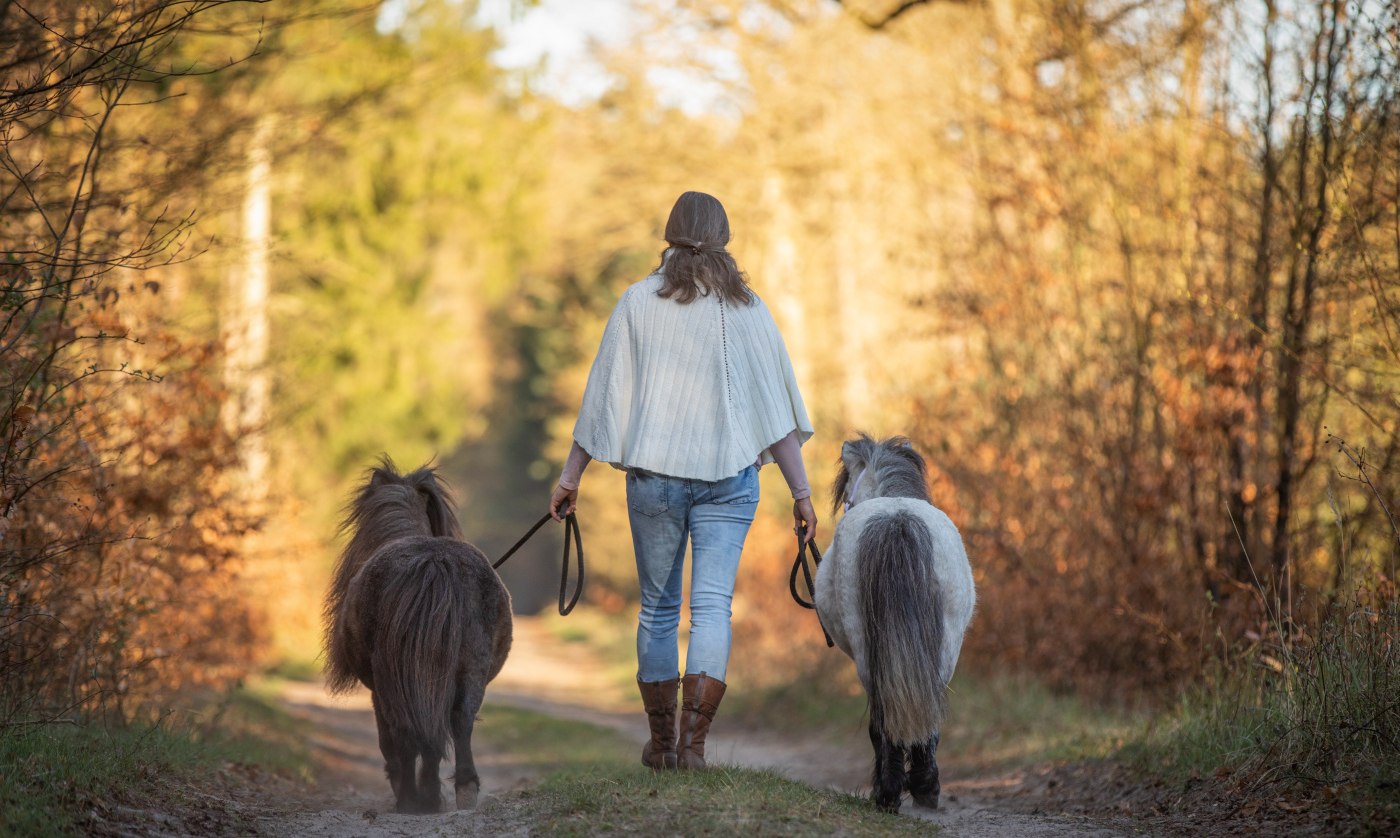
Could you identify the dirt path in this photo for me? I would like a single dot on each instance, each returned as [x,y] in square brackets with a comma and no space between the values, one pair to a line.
[541,676]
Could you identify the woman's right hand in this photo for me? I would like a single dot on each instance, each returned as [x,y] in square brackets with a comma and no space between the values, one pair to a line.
[804,514]
[563,503]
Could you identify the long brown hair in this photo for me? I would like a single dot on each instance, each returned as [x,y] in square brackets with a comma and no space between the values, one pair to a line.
[696,235]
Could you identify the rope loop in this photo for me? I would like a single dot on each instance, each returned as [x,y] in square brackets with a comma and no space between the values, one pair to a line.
[800,563]
[571,531]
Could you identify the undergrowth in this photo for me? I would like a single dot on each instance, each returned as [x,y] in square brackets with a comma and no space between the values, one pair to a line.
[61,779]
[1312,713]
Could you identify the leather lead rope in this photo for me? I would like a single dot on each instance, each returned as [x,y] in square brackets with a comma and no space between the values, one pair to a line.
[571,531]
[800,563]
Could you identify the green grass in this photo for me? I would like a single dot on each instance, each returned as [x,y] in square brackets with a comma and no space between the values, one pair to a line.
[1007,720]
[52,776]
[612,637]
[592,800]
[591,783]
[297,669]
[995,721]
[820,701]
[545,743]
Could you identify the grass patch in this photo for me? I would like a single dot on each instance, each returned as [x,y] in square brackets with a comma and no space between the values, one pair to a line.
[54,777]
[814,703]
[995,721]
[297,669]
[544,742]
[612,637]
[592,784]
[719,801]
[1005,720]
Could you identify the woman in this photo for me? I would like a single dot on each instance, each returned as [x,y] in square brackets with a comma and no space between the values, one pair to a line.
[691,391]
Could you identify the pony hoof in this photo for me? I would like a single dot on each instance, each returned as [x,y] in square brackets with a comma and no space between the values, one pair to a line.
[418,807]
[887,806]
[467,795]
[929,800]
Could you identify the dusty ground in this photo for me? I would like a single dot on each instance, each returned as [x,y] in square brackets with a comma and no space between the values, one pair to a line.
[355,800]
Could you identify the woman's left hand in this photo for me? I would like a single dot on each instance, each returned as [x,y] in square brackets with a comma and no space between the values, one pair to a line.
[563,503]
[804,514]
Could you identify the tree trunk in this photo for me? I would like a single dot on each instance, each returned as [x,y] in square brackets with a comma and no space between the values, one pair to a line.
[246,332]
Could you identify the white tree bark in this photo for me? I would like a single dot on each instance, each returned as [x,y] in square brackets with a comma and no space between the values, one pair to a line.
[246,321]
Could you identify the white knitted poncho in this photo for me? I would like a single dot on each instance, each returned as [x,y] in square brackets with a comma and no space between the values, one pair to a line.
[697,390]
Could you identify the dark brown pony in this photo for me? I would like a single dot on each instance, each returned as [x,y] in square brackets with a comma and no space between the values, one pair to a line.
[419,617]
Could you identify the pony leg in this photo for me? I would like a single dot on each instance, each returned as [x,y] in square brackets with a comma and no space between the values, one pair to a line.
[923,773]
[429,784]
[389,749]
[465,779]
[887,786]
[408,802]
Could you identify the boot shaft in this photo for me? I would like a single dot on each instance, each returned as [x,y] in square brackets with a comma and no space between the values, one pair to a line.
[701,696]
[659,699]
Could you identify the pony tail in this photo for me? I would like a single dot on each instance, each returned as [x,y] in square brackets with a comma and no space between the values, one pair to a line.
[901,610]
[340,670]
[418,651]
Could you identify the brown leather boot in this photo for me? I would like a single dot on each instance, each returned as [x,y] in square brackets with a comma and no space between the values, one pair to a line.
[659,698]
[701,695]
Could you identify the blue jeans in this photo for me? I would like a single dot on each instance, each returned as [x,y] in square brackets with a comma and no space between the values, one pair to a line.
[665,512]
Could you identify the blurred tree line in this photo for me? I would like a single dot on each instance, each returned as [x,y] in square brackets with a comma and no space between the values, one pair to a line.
[1127,274]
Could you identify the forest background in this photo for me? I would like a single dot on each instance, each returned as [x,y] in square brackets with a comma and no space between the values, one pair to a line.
[1125,272]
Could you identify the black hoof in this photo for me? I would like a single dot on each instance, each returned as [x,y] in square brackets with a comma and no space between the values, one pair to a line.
[419,807]
[884,804]
[928,799]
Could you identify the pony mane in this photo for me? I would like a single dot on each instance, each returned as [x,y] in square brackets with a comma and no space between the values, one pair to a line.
[388,506]
[896,469]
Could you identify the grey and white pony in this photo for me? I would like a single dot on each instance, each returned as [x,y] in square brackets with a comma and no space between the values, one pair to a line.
[895,593]
[420,618]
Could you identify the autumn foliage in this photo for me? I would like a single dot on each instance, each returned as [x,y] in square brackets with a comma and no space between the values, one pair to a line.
[120,517]
[122,571]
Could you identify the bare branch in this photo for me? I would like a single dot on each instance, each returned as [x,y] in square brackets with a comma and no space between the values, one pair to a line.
[880,21]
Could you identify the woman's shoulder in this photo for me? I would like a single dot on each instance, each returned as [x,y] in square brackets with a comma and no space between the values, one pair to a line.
[634,296]
[645,287]
[647,291]
[756,306]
